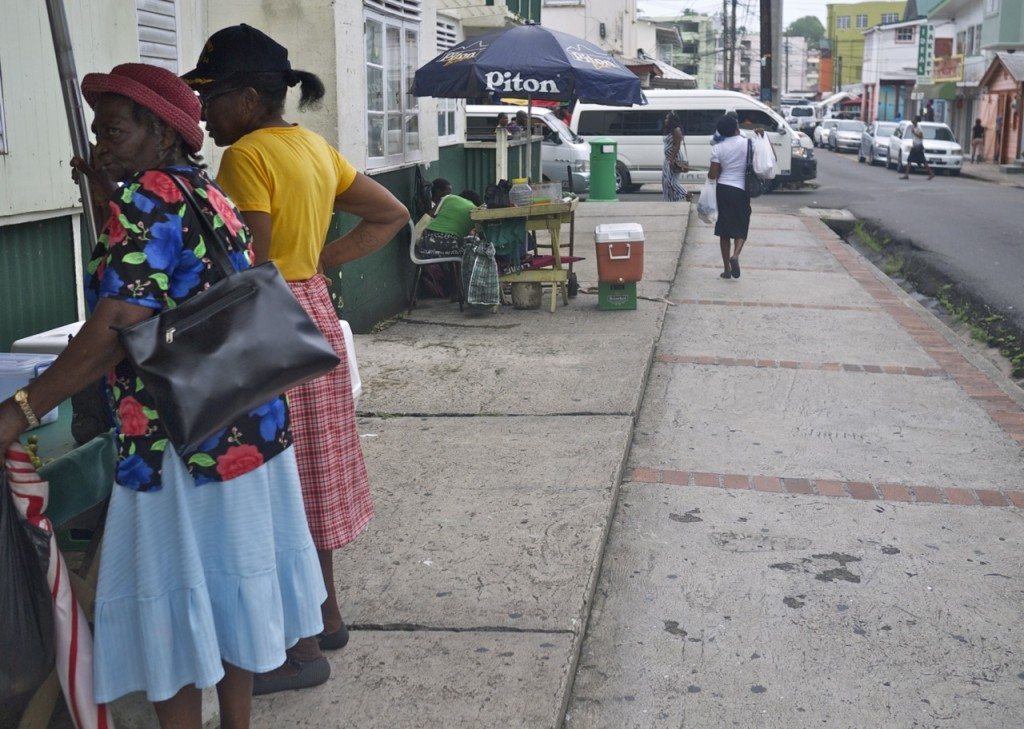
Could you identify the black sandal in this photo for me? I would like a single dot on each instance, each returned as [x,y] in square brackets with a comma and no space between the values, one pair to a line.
[734,264]
[307,674]
[725,274]
[334,641]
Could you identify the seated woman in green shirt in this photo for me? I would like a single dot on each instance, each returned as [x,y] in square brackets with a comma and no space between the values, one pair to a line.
[445,234]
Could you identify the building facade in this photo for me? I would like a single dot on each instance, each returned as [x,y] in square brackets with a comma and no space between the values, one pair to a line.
[889,69]
[801,66]
[845,28]
[697,51]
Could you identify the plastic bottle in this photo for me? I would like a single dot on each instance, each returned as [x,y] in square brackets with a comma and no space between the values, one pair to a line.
[520,194]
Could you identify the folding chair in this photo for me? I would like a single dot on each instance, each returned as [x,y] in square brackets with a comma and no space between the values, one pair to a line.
[455,262]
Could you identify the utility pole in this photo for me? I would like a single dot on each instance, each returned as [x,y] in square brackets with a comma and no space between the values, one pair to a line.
[732,55]
[726,64]
[766,51]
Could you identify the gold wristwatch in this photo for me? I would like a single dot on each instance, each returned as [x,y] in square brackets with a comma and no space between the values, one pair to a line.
[21,397]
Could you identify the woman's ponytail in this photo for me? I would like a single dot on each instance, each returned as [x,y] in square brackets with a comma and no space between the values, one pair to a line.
[312,88]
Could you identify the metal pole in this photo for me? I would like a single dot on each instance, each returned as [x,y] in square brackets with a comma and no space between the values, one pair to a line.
[766,51]
[732,36]
[529,139]
[72,103]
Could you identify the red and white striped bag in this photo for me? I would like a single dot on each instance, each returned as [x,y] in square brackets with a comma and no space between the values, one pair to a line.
[72,636]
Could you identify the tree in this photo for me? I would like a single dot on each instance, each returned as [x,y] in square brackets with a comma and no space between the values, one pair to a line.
[808,27]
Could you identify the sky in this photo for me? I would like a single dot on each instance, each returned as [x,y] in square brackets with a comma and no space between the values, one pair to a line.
[791,9]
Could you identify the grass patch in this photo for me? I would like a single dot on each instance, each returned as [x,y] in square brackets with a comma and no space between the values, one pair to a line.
[986,326]
[876,243]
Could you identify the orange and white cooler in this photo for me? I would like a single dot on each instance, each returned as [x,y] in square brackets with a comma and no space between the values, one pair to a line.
[620,252]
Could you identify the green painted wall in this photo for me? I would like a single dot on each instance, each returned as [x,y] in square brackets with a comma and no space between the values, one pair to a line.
[374,288]
[1006,26]
[37,278]
[451,165]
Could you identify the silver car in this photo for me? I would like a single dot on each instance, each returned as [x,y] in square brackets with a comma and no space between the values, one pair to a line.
[874,142]
[845,136]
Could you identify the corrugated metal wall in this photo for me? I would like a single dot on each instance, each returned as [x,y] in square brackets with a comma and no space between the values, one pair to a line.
[37,271]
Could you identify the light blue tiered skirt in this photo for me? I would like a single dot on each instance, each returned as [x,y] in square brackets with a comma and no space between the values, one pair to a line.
[191,576]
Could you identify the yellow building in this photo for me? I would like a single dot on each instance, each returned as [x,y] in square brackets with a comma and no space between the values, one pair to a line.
[845,35]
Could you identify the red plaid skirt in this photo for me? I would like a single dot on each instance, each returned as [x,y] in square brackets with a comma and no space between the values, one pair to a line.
[335,487]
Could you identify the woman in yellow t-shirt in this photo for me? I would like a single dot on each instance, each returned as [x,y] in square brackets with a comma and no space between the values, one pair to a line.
[288,181]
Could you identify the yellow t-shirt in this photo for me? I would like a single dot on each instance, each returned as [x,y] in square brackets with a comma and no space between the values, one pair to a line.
[293,174]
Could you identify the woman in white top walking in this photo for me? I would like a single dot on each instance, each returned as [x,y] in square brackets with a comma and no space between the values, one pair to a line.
[728,169]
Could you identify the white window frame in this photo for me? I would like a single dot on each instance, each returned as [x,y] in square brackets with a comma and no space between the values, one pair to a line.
[862,21]
[910,29]
[3,119]
[991,7]
[448,110]
[890,18]
[404,19]
[843,22]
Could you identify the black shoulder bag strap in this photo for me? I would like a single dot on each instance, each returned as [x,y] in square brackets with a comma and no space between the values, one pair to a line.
[214,245]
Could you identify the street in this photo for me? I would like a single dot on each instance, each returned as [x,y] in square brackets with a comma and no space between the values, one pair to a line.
[969,230]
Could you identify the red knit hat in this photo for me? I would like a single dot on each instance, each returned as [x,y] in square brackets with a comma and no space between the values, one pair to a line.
[155,88]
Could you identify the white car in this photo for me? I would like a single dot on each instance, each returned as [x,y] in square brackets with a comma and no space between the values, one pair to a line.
[845,135]
[800,116]
[874,142]
[821,131]
[940,147]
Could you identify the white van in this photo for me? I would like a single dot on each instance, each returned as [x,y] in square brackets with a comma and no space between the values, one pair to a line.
[561,150]
[637,130]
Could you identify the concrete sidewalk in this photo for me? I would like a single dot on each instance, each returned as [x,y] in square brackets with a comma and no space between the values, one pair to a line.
[990,172]
[821,520]
[495,446]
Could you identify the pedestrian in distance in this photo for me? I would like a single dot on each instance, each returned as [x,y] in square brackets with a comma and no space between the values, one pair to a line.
[675,163]
[207,570]
[929,111]
[728,170]
[917,151]
[978,142]
[288,181]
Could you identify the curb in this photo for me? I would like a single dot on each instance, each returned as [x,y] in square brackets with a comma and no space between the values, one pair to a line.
[620,477]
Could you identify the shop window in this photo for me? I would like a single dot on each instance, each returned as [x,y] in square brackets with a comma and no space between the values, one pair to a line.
[843,22]
[392,56]
[447,109]
[157,23]
[905,35]
[862,21]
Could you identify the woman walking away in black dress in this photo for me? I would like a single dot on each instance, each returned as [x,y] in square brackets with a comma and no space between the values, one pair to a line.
[917,151]
[728,169]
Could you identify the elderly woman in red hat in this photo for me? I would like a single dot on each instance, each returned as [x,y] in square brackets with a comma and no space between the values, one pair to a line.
[208,571]
[288,182]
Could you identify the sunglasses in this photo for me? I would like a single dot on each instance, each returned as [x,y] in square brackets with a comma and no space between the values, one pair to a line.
[208,99]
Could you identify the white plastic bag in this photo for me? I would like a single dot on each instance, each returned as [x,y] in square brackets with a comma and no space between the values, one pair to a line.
[707,205]
[764,158]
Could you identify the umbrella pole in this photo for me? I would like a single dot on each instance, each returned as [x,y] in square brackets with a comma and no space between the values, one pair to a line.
[529,138]
[72,103]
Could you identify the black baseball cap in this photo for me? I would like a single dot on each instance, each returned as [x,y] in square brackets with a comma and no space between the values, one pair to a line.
[237,49]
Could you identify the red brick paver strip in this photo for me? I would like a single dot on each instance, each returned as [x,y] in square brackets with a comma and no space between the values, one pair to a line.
[860,490]
[975,383]
[703,359]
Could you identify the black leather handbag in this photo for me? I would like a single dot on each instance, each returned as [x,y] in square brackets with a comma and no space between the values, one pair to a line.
[751,181]
[226,350]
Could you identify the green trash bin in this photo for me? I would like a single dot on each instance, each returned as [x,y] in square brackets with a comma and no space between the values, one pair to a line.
[603,156]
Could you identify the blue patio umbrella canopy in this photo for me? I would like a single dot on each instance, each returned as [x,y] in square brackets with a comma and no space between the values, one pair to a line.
[529,61]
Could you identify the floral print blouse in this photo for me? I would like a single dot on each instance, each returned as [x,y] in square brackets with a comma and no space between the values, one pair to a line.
[151,253]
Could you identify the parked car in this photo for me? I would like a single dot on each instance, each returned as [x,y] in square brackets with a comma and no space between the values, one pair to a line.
[940,147]
[560,152]
[820,135]
[804,166]
[845,136]
[874,142]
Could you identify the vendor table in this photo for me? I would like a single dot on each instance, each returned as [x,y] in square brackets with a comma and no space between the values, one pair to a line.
[547,216]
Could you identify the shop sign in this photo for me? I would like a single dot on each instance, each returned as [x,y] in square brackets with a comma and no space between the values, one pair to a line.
[925,38]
